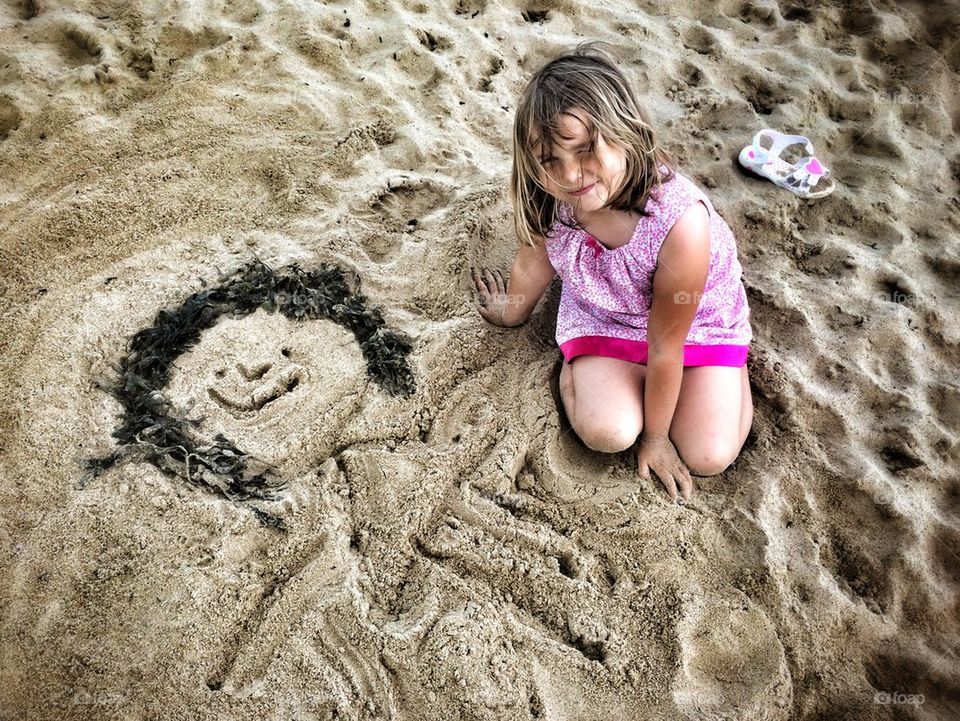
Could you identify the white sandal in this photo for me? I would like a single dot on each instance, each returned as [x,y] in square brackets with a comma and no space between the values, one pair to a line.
[800,178]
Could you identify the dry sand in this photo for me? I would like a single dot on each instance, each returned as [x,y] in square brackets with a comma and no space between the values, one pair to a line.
[458,553]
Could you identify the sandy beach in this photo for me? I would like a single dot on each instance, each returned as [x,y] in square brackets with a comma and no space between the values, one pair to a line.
[356,499]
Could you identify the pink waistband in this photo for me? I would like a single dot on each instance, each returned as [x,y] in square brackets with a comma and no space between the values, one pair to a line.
[636,351]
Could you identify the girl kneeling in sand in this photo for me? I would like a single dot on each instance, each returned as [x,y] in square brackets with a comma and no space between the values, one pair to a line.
[653,307]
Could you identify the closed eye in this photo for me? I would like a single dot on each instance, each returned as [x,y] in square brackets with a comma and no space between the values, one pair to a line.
[585,149]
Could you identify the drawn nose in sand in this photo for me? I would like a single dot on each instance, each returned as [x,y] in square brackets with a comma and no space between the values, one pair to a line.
[251,385]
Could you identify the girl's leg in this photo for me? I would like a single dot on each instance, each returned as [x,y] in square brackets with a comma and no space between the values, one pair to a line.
[603,398]
[713,417]
[746,410]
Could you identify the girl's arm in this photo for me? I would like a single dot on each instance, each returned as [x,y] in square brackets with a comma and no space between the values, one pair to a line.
[678,282]
[530,276]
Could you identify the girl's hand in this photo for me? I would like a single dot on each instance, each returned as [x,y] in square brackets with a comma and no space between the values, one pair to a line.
[659,455]
[493,296]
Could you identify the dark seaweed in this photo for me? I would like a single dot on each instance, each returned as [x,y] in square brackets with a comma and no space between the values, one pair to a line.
[151,428]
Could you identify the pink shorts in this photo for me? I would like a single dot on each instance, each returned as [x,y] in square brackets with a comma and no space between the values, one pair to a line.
[636,351]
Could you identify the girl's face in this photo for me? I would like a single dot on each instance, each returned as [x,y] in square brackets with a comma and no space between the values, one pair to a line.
[577,165]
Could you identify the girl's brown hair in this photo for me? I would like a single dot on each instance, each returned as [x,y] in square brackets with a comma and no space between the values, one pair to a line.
[588,78]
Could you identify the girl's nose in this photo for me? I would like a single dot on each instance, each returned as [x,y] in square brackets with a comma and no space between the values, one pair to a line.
[254,370]
[572,175]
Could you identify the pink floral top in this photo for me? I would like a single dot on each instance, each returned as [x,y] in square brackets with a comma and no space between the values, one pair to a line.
[606,296]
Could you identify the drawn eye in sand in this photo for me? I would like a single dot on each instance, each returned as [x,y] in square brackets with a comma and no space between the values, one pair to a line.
[229,386]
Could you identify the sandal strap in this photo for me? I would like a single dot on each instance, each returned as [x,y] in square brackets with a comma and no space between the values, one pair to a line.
[779,142]
[803,178]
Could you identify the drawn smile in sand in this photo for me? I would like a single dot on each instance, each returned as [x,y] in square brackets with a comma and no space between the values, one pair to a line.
[254,400]
[227,403]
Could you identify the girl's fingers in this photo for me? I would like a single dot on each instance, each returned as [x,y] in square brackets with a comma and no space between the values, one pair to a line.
[686,483]
[669,484]
[480,285]
[491,281]
[643,469]
[499,278]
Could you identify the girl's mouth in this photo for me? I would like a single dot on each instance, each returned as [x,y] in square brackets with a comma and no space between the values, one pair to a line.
[584,190]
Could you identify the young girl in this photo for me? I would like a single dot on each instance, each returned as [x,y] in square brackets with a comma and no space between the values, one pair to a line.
[652,309]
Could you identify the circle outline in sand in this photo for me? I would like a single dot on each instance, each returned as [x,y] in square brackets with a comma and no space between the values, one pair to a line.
[151,428]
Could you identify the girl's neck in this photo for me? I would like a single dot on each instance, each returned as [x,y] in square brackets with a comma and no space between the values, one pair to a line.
[613,228]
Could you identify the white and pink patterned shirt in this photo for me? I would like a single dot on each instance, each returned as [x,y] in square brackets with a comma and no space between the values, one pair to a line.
[606,296]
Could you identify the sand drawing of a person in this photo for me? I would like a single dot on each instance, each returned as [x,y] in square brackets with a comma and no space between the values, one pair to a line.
[290,585]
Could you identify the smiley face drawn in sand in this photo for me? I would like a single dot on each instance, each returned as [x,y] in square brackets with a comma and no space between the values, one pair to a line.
[274,386]
[270,389]
[246,383]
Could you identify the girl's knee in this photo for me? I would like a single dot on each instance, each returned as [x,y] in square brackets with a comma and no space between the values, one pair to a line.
[610,435]
[708,456]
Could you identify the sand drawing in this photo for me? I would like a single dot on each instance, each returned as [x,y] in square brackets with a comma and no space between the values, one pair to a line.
[157,432]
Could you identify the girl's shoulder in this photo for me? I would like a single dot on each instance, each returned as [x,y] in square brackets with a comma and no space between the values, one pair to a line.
[564,225]
[672,198]
[679,188]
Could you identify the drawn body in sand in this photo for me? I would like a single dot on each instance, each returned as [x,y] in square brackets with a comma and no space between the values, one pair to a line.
[304,588]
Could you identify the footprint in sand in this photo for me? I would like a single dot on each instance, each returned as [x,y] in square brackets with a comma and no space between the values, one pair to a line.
[732,663]
[751,12]
[700,39]
[796,13]
[401,206]
[79,47]
[863,563]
